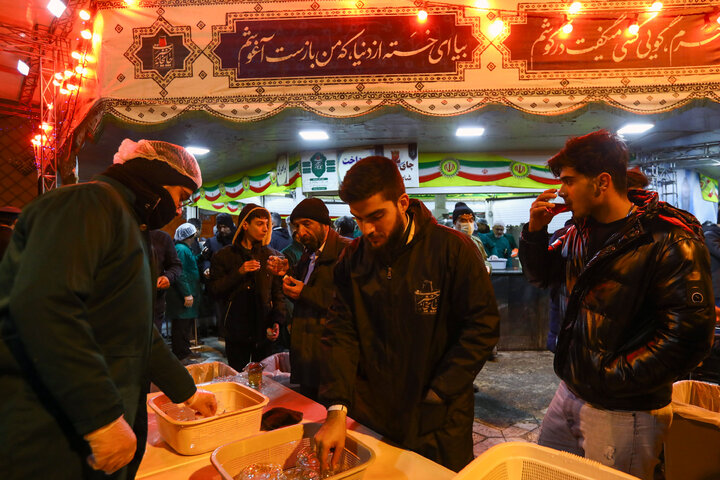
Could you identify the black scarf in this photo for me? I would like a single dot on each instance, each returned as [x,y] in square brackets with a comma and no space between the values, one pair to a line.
[153,204]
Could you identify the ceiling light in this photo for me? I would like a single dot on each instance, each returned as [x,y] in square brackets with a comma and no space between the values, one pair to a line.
[197,150]
[56,7]
[567,28]
[469,131]
[656,7]
[84,15]
[23,67]
[86,34]
[314,134]
[482,4]
[422,16]
[635,128]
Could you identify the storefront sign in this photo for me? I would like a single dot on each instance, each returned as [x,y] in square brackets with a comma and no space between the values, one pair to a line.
[405,157]
[319,171]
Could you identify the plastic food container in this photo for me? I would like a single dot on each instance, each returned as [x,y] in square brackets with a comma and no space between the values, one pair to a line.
[239,415]
[520,461]
[205,373]
[281,447]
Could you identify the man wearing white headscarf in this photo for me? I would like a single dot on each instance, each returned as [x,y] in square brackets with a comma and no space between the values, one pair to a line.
[78,348]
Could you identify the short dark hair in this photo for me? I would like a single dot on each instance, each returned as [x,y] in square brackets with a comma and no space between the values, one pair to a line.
[259,213]
[372,175]
[592,154]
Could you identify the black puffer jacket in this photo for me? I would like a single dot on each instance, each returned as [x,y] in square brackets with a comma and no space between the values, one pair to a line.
[637,315]
[425,319]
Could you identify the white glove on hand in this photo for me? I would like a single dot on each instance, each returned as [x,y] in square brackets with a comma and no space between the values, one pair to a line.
[203,402]
[113,446]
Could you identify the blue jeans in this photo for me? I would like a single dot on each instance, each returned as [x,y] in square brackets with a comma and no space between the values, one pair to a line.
[629,441]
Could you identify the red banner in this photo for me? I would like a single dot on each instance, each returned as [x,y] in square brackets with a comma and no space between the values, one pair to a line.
[601,41]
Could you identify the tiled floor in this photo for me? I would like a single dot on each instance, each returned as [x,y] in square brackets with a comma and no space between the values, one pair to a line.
[514,391]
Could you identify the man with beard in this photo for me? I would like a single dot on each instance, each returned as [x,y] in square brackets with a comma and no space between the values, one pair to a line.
[413,320]
[239,274]
[311,289]
[635,300]
[78,348]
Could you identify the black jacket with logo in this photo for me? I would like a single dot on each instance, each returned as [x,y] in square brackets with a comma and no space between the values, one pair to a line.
[638,314]
[427,319]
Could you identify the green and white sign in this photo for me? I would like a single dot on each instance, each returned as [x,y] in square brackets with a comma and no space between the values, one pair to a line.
[319,171]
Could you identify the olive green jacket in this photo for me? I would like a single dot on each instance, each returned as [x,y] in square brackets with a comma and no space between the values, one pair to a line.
[77,344]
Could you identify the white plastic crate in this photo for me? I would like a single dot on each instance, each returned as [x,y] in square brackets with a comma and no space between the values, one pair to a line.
[528,461]
[240,414]
[281,447]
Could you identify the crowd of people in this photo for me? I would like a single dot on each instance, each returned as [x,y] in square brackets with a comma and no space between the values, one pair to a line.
[388,315]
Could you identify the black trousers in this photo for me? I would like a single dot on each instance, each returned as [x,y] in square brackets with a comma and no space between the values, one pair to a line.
[239,353]
[180,333]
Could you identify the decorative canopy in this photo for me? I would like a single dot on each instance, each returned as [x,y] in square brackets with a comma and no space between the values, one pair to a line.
[245,61]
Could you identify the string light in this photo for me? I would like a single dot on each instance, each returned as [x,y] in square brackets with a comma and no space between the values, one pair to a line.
[86,34]
[656,7]
[567,28]
[634,28]
[84,15]
[422,16]
[575,8]
[496,28]
[76,55]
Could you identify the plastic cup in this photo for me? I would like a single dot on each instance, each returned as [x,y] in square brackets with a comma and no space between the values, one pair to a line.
[254,372]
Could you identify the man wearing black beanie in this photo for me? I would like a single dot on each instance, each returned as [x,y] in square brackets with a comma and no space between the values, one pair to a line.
[310,286]
[79,348]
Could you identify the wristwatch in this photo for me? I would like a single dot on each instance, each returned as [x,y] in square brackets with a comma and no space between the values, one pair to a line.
[336,407]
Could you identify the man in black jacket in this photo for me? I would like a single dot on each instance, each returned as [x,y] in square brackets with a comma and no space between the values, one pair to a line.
[239,275]
[310,286]
[413,321]
[636,303]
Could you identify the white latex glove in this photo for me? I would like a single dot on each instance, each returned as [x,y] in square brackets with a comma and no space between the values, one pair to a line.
[203,402]
[113,446]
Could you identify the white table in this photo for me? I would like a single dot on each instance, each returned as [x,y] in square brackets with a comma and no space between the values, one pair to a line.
[391,463]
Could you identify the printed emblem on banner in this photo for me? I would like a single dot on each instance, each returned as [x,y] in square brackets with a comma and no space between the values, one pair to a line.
[162,52]
[449,167]
[317,164]
[427,299]
[246,182]
[519,170]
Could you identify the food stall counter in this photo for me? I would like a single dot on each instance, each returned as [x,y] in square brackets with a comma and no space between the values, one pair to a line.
[391,463]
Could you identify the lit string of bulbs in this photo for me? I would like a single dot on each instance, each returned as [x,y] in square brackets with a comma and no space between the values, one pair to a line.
[68,82]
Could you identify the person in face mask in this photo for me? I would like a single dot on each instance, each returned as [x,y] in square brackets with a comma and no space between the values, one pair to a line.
[78,348]
[464,220]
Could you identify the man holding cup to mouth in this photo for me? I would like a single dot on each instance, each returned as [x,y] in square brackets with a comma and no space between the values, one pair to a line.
[636,304]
